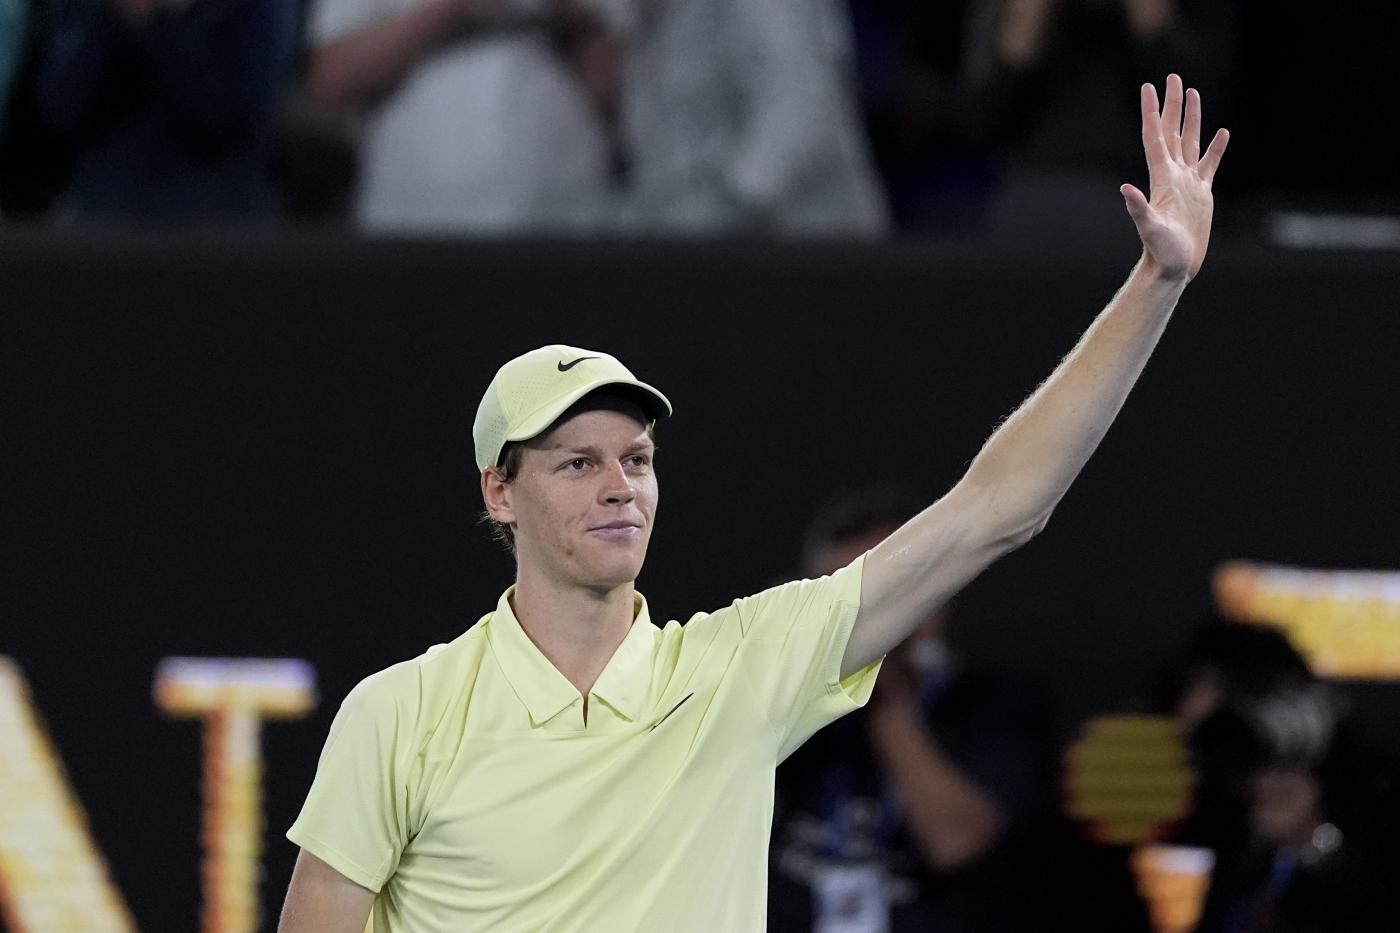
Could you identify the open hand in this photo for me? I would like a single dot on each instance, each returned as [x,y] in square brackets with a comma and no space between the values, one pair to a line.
[1175,223]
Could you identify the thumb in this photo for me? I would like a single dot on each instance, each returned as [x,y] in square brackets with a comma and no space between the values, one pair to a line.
[1138,208]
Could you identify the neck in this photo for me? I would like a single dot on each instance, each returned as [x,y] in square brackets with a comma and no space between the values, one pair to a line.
[577,628]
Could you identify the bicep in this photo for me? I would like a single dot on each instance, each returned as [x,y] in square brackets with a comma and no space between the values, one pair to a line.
[921,566]
[322,900]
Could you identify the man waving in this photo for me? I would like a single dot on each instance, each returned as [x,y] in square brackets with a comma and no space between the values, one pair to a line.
[568,765]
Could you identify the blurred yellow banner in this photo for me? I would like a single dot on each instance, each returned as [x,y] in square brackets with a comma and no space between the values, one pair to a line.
[1346,623]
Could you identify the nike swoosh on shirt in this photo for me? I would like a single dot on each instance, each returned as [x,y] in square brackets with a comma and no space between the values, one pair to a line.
[565,367]
[673,709]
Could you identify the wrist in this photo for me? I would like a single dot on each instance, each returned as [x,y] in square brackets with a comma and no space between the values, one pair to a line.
[1154,274]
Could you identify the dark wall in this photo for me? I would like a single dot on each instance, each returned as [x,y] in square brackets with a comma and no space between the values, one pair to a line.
[248,447]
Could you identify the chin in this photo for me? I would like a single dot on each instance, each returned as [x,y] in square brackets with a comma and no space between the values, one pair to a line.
[614,573]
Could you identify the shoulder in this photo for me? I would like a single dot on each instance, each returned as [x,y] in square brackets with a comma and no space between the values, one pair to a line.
[800,597]
[410,690]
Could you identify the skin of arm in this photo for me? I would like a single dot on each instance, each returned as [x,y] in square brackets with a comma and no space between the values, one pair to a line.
[1027,465]
[322,900]
[370,61]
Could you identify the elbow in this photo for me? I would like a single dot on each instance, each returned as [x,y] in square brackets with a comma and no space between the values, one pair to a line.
[961,850]
[1001,519]
[1020,533]
[1035,527]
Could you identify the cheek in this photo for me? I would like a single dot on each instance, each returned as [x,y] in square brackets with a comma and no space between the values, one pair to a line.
[545,512]
[647,500]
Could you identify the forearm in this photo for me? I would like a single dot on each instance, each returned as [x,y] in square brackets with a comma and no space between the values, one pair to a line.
[951,818]
[1029,462]
[363,64]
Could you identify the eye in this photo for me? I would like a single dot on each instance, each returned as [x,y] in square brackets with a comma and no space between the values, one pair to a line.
[576,465]
[639,460]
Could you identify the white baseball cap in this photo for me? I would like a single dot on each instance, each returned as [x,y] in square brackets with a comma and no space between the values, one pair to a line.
[535,388]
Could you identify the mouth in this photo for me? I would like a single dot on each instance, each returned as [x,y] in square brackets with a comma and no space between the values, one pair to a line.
[616,531]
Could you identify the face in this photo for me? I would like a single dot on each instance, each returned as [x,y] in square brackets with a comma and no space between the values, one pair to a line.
[583,501]
[1286,803]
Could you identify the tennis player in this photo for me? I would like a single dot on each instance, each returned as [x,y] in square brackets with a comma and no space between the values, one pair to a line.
[568,765]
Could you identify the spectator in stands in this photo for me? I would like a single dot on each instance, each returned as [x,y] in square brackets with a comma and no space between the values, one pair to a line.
[168,105]
[1287,796]
[923,812]
[480,116]
[926,118]
[1058,79]
[740,117]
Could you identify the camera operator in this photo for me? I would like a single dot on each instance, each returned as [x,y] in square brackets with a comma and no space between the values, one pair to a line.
[1285,797]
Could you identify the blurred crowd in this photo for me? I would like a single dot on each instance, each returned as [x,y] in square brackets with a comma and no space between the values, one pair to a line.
[855,118]
[943,805]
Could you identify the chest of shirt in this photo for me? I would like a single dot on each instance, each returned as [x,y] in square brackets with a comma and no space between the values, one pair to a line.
[503,802]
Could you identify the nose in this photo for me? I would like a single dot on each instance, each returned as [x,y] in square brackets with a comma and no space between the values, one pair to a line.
[617,486]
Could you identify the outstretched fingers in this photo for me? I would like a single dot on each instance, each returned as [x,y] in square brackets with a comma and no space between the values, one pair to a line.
[1153,144]
[1211,160]
[1171,116]
[1191,133]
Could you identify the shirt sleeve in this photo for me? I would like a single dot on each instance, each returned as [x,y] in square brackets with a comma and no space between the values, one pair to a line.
[356,816]
[794,637]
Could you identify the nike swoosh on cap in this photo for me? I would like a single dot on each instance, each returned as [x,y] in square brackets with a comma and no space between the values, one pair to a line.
[565,367]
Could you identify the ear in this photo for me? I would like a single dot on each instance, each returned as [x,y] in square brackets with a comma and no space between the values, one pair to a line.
[496,493]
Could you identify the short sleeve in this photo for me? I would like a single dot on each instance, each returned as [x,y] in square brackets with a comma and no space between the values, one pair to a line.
[794,637]
[355,817]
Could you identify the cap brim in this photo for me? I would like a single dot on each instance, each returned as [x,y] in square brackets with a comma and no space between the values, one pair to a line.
[653,403]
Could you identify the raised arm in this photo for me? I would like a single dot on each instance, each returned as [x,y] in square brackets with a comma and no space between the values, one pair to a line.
[1024,469]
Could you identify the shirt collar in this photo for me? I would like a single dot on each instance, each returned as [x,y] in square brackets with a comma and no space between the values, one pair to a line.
[546,692]
[624,682]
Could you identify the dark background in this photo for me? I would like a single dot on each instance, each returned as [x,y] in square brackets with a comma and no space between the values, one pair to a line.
[225,446]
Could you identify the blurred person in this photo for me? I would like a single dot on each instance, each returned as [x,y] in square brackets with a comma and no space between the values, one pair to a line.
[1225,666]
[922,811]
[168,105]
[564,762]
[1051,76]
[1287,796]
[740,118]
[479,116]
[931,125]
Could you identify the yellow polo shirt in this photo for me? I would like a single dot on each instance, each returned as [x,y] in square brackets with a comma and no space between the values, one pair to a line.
[464,787]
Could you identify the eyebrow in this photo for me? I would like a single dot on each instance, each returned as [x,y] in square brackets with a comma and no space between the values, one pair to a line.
[643,443]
